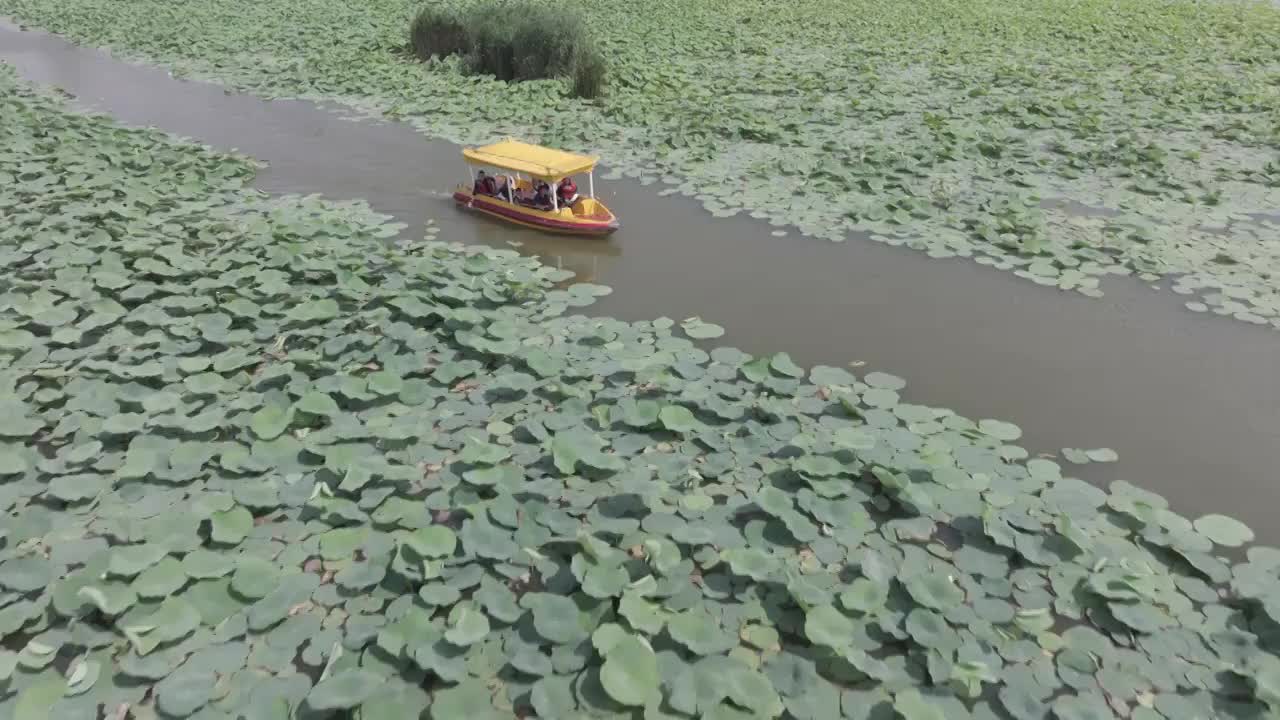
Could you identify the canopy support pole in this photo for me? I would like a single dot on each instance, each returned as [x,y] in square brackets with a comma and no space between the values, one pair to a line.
[555,199]
[591,185]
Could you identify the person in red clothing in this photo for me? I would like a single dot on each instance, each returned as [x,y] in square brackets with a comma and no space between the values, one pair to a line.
[568,192]
[484,185]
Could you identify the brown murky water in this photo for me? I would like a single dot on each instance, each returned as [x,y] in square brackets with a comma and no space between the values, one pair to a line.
[1192,403]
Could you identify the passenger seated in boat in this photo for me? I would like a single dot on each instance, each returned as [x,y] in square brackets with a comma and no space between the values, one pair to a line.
[484,185]
[568,192]
[542,198]
[503,190]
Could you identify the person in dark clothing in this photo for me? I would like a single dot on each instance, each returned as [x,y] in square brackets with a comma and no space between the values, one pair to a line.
[542,197]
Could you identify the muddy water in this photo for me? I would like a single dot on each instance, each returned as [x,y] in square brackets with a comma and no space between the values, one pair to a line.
[1192,403]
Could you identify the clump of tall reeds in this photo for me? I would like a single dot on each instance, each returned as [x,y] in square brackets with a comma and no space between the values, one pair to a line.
[513,41]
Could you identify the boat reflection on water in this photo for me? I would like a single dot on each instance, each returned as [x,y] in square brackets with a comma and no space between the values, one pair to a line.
[582,256]
[567,253]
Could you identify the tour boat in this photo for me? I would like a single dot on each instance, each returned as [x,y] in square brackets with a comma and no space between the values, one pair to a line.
[520,167]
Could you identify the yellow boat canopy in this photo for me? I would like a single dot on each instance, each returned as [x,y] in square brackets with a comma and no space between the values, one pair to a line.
[533,160]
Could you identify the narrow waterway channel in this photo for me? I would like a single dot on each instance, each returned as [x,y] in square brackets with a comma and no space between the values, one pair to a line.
[1191,403]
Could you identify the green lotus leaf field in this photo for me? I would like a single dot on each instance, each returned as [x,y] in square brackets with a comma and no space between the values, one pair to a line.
[256,462]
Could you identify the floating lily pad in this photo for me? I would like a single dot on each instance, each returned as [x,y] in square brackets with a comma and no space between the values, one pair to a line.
[825,625]
[935,591]
[1224,530]
[630,671]
[1102,455]
[344,690]
[699,330]
[677,419]
[1000,430]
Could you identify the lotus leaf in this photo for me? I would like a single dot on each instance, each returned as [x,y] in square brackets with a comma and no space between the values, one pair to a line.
[184,692]
[385,382]
[469,699]
[640,413]
[1141,617]
[825,625]
[478,451]
[437,594]
[82,677]
[25,574]
[1000,430]
[160,580]
[254,577]
[316,402]
[640,613]
[630,671]
[110,599]
[929,629]
[231,526]
[782,364]
[1082,707]
[761,637]
[129,560]
[699,330]
[203,564]
[1224,530]
[173,620]
[752,563]
[699,632]
[912,705]
[436,541]
[558,619]
[12,461]
[1102,455]
[934,591]
[361,575]
[344,690]
[36,701]
[553,697]
[678,419]
[270,421]
[855,439]
[818,466]
[467,625]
